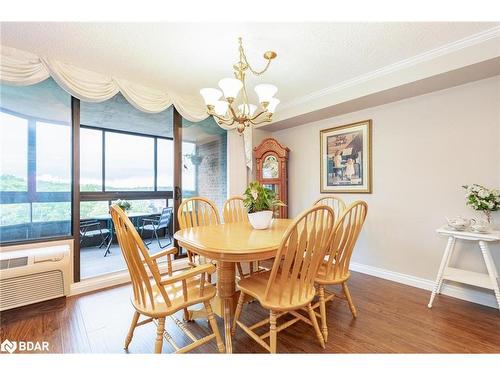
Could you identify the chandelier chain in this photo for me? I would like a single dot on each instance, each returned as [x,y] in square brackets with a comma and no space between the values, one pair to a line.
[244,59]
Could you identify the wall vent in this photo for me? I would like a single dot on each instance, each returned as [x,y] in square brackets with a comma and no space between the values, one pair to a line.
[13,263]
[24,290]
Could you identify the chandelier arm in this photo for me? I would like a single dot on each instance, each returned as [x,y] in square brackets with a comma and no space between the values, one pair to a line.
[244,58]
[221,118]
[228,127]
[235,116]
[260,122]
[258,114]
[227,122]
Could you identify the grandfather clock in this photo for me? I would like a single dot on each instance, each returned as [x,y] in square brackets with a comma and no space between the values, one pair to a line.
[272,170]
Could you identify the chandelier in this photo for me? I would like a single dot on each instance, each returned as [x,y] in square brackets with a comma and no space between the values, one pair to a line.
[234,110]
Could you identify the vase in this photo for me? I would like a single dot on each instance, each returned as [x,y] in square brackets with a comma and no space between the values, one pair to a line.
[261,219]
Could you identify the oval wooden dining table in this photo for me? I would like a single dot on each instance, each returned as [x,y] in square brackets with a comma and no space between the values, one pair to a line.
[228,244]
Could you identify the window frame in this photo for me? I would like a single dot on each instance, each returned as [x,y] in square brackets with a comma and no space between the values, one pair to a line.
[125,194]
[31,195]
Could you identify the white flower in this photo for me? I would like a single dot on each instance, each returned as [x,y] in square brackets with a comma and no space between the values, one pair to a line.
[483,193]
[254,193]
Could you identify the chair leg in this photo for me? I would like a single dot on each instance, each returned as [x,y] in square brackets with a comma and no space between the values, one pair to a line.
[141,235]
[213,324]
[158,239]
[322,309]
[237,313]
[272,331]
[314,321]
[186,314]
[190,257]
[128,339]
[240,270]
[349,299]
[159,335]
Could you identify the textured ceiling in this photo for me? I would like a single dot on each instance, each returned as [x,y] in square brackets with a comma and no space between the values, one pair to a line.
[184,57]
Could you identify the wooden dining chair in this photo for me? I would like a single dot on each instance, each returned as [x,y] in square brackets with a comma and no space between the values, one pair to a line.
[156,296]
[334,270]
[195,212]
[335,202]
[234,211]
[289,285]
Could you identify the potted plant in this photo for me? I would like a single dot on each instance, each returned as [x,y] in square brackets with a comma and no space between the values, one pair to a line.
[123,204]
[260,203]
[482,199]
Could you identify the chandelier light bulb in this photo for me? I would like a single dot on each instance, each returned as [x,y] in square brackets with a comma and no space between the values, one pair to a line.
[265,92]
[231,87]
[247,109]
[221,107]
[273,103]
[211,96]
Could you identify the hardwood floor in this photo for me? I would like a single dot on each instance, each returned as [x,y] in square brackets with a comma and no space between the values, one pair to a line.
[393,318]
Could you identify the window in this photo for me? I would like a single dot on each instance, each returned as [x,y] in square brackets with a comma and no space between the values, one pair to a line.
[147,206]
[53,157]
[12,214]
[14,146]
[93,209]
[188,167]
[165,155]
[129,162]
[90,159]
[35,167]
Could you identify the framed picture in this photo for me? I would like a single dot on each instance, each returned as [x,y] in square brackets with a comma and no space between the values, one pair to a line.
[346,153]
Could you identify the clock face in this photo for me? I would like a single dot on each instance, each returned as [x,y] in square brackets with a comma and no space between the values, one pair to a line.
[270,167]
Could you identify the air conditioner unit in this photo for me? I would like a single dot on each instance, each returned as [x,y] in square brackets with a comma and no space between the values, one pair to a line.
[34,275]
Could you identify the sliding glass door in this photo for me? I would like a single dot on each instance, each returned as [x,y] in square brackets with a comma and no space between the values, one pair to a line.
[125,155]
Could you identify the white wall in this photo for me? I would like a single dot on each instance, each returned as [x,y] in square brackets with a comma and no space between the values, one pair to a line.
[424,149]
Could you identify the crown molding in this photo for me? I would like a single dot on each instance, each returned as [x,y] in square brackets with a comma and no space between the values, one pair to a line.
[400,65]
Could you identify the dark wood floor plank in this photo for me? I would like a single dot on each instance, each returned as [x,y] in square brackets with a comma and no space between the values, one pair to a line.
[393,318]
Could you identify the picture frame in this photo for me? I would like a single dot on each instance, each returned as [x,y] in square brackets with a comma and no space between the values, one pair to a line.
[346,158]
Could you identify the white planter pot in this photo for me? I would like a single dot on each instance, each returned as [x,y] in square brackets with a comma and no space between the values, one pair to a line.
[260,220]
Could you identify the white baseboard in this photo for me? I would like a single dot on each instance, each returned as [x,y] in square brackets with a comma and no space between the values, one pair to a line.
[115,278]
[486,298]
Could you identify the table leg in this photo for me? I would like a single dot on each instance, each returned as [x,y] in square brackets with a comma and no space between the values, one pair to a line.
[492,270]
[226,289]
[444,263]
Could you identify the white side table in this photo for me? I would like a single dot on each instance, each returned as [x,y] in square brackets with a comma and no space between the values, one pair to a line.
[488,281]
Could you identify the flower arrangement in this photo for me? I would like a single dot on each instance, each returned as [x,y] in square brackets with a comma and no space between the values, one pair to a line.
[258,198]
[482,199]
[123,204]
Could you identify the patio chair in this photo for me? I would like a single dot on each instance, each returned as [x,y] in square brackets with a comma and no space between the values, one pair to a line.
[154,224]
[92,228]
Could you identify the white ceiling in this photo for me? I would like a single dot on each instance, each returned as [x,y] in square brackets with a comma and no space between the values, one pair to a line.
[184,57]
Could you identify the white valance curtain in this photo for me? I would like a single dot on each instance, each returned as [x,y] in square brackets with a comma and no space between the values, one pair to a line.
[24,68]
